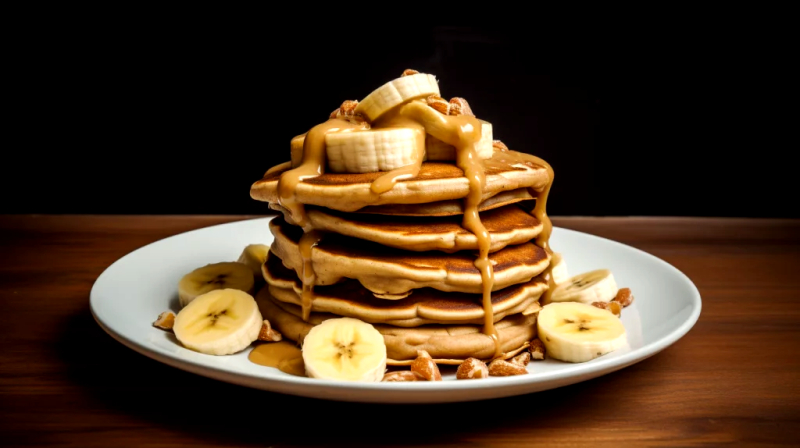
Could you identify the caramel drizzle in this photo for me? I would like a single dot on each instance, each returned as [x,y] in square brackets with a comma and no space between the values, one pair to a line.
[309,276]
[504,158]
[312,165]
[462,132]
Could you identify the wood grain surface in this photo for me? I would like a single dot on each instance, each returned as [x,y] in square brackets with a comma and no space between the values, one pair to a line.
[734,379]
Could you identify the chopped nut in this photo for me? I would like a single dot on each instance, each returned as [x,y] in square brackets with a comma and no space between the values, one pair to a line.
[472,368]
[537,349]
[614,307]
[500,367]
[268,334]
[522,359]
[438,103]
[347,111]
[459,106]
[165,320]
[408,72]
[425,367]
[500,146]
[401,375]
[624,297]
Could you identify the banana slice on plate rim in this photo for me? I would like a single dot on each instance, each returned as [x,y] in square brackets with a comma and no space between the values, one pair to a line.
[220,322]
[227,274]
[345,349]
[577,332]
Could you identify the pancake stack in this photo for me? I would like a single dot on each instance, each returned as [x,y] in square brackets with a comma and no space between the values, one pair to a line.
[437,260]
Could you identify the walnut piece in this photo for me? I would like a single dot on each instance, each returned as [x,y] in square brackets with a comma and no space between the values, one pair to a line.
[268,334]
[500,367]
[624,297]
[425,367]
[347,111]
[537,349]
[459,106]
[614,307]
[438,103]
[499,146]
[401,375]
[472,368]
[165,321]
[522,359]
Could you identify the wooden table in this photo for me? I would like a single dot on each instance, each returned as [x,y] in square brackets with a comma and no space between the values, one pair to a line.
[734,378]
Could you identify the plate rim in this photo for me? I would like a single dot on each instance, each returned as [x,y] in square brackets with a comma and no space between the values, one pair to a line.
[597,368]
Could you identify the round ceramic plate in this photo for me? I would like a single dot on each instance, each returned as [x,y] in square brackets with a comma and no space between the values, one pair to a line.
[129,295]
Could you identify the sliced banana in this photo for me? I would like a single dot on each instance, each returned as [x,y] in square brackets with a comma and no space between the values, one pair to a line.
[559,270]
[397,92]
[253,256]
[577,332]
[373,150]
[345,349]
[223,275]
[589,287]
[439,150]
[220,322]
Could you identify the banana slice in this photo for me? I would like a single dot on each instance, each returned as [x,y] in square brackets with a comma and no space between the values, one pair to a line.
[397,92]
[439,150]
[373,150]
[345,349]
[254,255]
[559,271]
[576,332]
[227,274]
[589,287]
[220,322]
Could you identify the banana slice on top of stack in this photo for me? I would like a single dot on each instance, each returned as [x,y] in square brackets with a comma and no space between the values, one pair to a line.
[390,148]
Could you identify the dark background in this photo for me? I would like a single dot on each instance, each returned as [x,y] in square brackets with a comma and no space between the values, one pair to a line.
[686,117]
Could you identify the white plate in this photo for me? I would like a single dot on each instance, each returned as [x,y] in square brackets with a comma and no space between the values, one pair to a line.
[131,293]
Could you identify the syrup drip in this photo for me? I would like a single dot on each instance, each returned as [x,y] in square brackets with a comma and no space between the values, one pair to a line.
[312,165]
[309,277]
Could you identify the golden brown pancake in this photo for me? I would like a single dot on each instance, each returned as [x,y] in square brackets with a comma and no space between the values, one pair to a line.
[447,344]
[423,306]
[386,270]
[448,208]
[436,181]
[507,226]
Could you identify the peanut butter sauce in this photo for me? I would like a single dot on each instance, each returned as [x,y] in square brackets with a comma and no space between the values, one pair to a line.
[463,132]
[283,355]
[309,277]
[313,165]
[504,158]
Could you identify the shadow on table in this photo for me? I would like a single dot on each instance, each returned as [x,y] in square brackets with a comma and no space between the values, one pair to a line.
[125,382]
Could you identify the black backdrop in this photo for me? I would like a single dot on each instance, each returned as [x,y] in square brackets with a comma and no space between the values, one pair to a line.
[164,118]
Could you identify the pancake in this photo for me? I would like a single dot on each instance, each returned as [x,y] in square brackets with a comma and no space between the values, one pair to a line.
[385,270]
[447,344]
[435,182]
[507,226]
[447,208]
[424,306]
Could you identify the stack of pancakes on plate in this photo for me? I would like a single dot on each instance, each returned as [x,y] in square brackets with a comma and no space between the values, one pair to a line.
[402,261]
